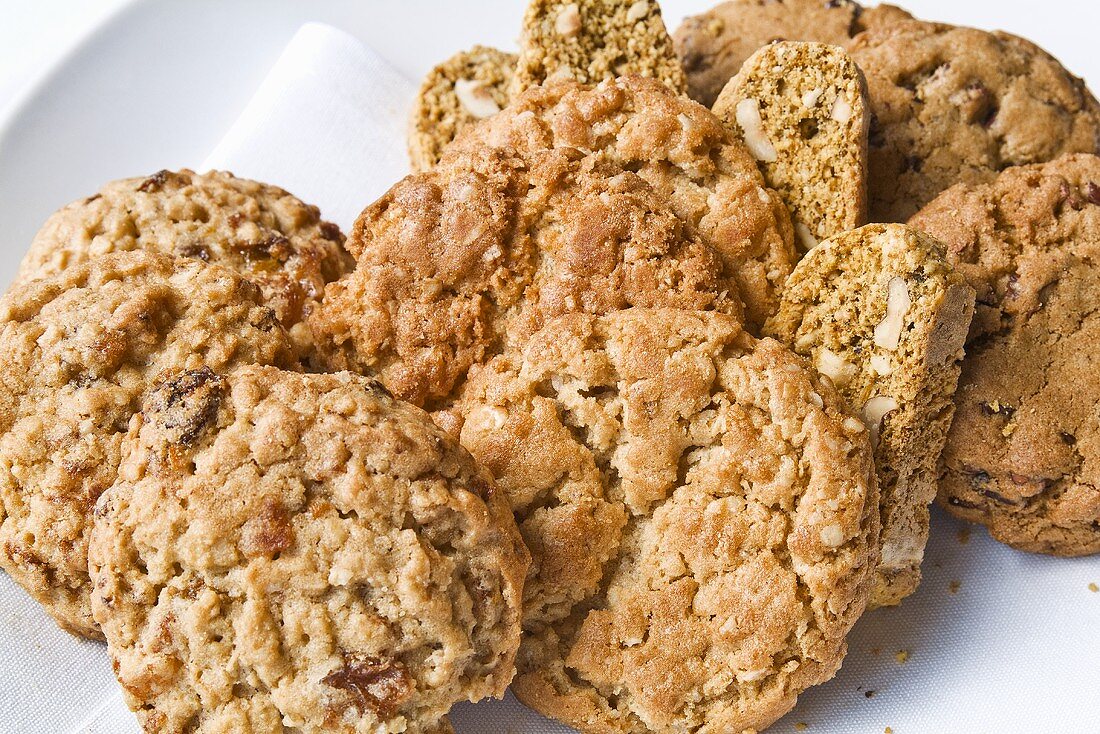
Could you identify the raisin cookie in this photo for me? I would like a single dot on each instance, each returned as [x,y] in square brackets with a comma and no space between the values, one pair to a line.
[701,511]
[289,552]
[713,45]
[883,315]
[589,41]
[1023,455]
[958,105]
[572,199]
[801,108]
[81,348]
[261,231]
[467,87]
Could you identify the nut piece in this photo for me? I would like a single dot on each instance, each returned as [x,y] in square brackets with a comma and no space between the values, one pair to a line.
[835,367]
[805,236]
[748,117]
[568,22]
[637,11]
[811,98]
[842,110]
[880,363]
[475,98]
[888,331]
[874,410]
[832,536]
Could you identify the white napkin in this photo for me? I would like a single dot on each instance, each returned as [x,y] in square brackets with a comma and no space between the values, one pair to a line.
[995,640]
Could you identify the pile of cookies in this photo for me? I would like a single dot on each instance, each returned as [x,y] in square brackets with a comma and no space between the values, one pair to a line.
[634,396]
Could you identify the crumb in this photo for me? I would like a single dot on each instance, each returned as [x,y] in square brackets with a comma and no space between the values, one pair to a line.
[876,650]
[800,726]
[964,535]
[869,693]
[953,587]
[901,656]
[1094,588]
[888,730]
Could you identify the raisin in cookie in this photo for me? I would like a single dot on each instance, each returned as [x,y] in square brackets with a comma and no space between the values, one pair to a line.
[289,552]
[261,231]
[572,199]
[467,87]
[592,40]
[957,105]
[713,45]
[802,110]
[881,313]
[701,511]
[1023,455]
[81,347]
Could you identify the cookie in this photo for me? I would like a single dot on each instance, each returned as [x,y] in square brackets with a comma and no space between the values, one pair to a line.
[801,109]
[81,347]
[701,511]
[883,315]
[958,105]
[289,552]
[467,87]
[572,199]
[589,41]
[1023,455]
[713,45]
[261,231]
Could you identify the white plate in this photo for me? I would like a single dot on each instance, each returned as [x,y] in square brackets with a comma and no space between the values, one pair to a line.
[1016,649]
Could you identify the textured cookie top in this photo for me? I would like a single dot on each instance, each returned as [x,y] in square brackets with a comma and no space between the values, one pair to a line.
[713,45]
[957,104]
[701,513]
[469,86]
[801,109]
[261,231]
[573,199]
[288,552]
[589,41]
[80,350]
[1023,455]
[883,315]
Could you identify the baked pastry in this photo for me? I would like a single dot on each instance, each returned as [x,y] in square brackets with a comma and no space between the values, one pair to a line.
[1023,455]
[701,511]
[713,45]
[801,109]
[573,199]
[81,348]
[880,311]
[261,231]
[958,105]
[469,86]
[589,41]
[289,552]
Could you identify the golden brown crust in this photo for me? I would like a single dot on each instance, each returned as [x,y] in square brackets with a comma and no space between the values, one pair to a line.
[301,552]
[80,350]
[1023,455]
[701,513]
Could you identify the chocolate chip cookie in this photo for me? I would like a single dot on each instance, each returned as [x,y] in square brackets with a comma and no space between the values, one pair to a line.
[572,199]
[802,111]
[1023,455]
[261,231]
[958,105]
[81,347]
[469,86]
[289,552]
[713,45]
[883,315]
[701,511]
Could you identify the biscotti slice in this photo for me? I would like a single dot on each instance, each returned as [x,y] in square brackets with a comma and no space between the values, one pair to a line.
[802,111]
[880,311]
[469,86]
[592,40]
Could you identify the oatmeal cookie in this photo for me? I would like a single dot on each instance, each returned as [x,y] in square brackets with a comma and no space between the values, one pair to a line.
[881,312]
[289,552]
[81,348]
[701,511]
[1023,455]
[467,87]
[261,231]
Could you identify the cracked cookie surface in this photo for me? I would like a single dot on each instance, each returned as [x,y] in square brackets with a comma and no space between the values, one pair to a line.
[261,231]
[301,553]
[81,348]
[701,513]
[1023,455]
[883,315]
[574,198]
[958,105]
